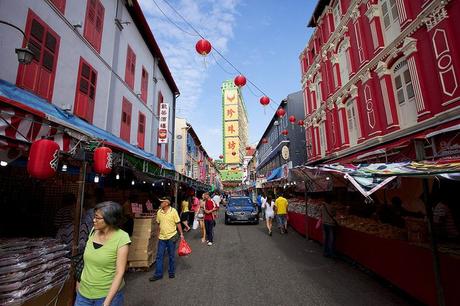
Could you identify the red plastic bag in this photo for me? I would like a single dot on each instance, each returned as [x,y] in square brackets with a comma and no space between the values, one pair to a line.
[318,223]
[184,249]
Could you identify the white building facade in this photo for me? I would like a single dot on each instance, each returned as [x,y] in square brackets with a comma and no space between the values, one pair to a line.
[97,59]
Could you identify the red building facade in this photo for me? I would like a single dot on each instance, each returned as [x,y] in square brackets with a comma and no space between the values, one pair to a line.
[377,74]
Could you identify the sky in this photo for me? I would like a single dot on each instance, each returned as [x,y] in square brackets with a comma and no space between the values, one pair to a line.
[261,38]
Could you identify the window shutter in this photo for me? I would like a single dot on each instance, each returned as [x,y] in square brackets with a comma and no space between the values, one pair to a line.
[130,67]
[94,23]
[125,127]
[38,76]
[141,130]
[144,85]
[85,92]
[59,4]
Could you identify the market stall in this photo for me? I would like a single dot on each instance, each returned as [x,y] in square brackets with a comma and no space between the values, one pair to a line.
[384,227]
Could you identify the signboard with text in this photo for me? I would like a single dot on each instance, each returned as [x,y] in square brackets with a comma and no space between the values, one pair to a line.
[163,123]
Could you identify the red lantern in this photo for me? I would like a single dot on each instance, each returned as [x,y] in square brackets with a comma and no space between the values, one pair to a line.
[284,132]
[233,153]
[280,112]
[43,159]
[102,160]
[264,100]
[264,140]
[221,156]
[240,81]
[203,47]
[300,123]
[292,119]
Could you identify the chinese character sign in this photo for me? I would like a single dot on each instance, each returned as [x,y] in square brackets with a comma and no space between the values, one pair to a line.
[232,144]
[163,123]
[231,112]
[231,128]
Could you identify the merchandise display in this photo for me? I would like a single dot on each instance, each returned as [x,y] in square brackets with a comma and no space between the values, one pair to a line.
[372,227]
[30,267]
[297,205]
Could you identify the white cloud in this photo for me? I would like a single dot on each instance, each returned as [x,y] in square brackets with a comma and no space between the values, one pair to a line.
[212,19]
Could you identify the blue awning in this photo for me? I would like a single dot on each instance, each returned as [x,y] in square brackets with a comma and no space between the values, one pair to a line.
[275,174]
[29,100]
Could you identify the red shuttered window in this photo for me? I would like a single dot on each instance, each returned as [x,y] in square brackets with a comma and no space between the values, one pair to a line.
[60,5]
[160,100]
[94,23]
[130,67]
[125,127]
[85,95]
[144,84]
[39,75]
[166,152]
[141,131]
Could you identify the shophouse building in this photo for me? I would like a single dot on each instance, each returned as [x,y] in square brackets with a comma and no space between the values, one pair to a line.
[96,59]
[191,159]
[379,74]
[282,145]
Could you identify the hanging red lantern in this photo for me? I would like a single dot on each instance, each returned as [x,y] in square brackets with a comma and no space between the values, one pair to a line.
[203,47]
[221,156]
[240,80]
[264,100]
[300,123]
[102,160]
[233,153]
[43,159]
[280,112]
[292,119]
[284,132]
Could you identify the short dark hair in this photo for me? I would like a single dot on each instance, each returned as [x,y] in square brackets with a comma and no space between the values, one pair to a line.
[112,213]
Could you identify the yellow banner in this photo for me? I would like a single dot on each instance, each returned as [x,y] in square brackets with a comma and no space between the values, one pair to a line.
[232,145]
[230,112]
[231,128]
[231,96]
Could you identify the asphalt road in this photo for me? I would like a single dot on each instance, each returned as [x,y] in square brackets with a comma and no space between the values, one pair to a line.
[245,266]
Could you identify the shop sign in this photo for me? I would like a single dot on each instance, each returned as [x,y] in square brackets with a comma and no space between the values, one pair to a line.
[163,123]
[446,145]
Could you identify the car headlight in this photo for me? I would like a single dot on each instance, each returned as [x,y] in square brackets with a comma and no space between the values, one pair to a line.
[254,213]
[229,213]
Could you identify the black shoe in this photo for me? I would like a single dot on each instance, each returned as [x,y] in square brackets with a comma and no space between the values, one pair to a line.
[285,231]
[270,233]
[171,276]
[155,278]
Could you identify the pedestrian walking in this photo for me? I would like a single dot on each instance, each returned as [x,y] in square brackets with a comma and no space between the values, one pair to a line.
[209,210]
[264,201]
[169,229]
[105,259]
[184,214]
[259,205]
[281,210]
[268,207]
[200,218]
[329,224]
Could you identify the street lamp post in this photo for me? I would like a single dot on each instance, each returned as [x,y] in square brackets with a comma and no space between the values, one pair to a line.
[25,55]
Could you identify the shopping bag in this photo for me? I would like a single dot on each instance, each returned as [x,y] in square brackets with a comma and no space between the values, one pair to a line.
[318,223]
[195,224]
[184,249]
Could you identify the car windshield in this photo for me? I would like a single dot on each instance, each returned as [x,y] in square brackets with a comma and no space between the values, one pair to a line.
[240,202]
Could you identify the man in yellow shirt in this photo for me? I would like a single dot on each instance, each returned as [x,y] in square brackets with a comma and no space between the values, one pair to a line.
[281,210]
[169,225]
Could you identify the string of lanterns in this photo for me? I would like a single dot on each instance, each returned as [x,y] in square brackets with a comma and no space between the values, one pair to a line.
[44,156]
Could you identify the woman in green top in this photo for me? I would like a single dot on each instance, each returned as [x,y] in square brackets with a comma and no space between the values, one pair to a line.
[105,258]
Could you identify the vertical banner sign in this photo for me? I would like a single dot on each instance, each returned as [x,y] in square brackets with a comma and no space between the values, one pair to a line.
[163,123]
